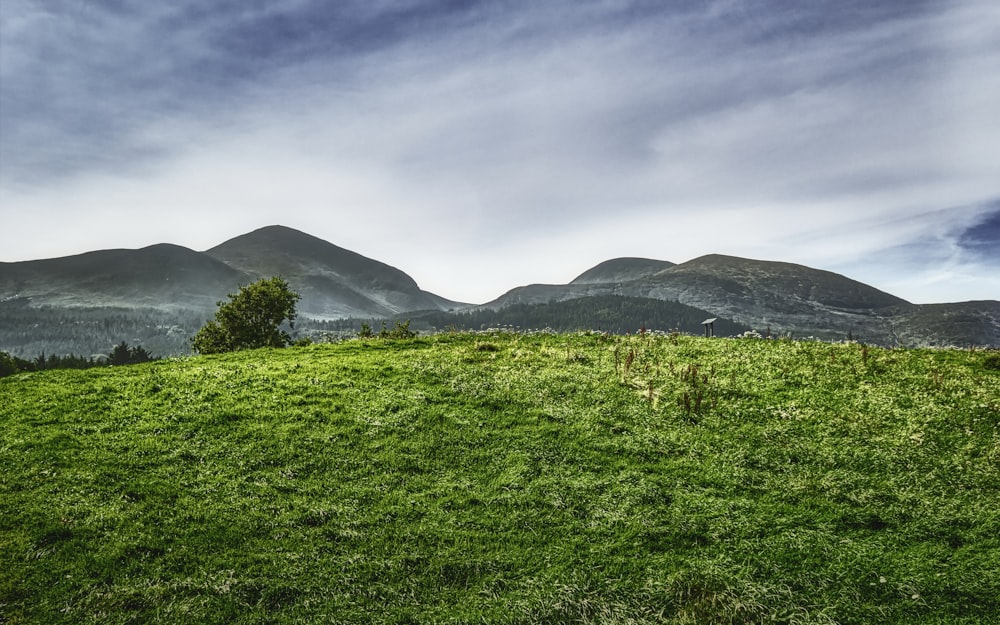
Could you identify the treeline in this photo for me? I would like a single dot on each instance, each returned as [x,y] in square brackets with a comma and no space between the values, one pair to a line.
[122,354]
[611,313]
[27,330]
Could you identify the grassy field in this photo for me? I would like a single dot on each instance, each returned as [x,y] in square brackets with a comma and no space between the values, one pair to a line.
[507,479]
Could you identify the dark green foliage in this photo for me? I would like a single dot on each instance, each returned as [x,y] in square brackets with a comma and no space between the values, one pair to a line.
[401,330]
[119,355]
[992,362]
[252,318]
[611,313]
[122,354]
[29,330]
[7,365]
[12,364]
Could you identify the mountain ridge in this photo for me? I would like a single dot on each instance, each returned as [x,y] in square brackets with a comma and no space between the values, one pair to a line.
[622,269]
[786,298]
[154,275]
[336,283]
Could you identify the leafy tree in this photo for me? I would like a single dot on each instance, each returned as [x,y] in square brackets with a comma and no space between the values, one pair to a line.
[251,318]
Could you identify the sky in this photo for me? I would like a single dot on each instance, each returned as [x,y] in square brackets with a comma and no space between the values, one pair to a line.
[479,146]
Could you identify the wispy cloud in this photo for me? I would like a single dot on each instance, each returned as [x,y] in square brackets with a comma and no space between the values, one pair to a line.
[483,145]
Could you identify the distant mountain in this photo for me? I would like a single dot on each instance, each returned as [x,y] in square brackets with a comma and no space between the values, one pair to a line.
[159,295]
[160,276]
[959,324]
[784,298]
[621,270]
[332,281]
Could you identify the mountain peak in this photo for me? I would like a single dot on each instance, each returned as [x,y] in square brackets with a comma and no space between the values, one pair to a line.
[787,280]
[333,281]
[275,235]
[623,269]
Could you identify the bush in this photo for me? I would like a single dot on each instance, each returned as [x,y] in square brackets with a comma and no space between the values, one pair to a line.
[251,318]
[399,331]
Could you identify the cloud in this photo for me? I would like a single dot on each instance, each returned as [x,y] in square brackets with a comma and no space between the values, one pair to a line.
[479,146]
[982,240]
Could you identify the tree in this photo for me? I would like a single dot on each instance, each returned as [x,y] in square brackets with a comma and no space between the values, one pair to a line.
[8,366]
[251,318]
[119,355]
[122,354]
[139,354]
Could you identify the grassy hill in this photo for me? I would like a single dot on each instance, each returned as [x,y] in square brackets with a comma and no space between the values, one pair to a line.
[507,479]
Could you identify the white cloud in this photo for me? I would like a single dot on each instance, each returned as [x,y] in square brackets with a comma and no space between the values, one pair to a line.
[528,147]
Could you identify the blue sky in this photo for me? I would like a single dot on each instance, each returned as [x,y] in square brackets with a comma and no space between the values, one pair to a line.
[479,146]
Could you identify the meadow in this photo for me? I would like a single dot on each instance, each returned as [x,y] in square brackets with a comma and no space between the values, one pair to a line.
[507,478]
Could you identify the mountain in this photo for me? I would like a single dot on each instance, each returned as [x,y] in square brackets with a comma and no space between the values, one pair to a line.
[159,295]
[961,324]
[621,270]
[785,298]
[332,281]
[160,276]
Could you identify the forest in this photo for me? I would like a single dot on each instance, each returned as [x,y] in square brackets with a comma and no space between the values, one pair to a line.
[27,331]
[611,313]
[81,334]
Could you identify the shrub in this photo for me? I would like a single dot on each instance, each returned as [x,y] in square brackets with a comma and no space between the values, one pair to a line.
[251,318]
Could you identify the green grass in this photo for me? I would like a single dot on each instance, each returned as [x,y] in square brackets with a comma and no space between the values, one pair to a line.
[506,479]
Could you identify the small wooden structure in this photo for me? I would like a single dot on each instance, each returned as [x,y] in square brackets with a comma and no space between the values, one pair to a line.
[709,326]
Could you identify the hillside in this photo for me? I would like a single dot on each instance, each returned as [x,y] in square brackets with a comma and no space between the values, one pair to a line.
[502,478]
[784,298]
[608,313]
[948,324]
[621,270]
[787,297]
[160,276]
[332,281]
[160,295]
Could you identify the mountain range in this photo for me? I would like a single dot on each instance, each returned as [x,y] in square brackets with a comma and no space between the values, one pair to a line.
[164,280]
